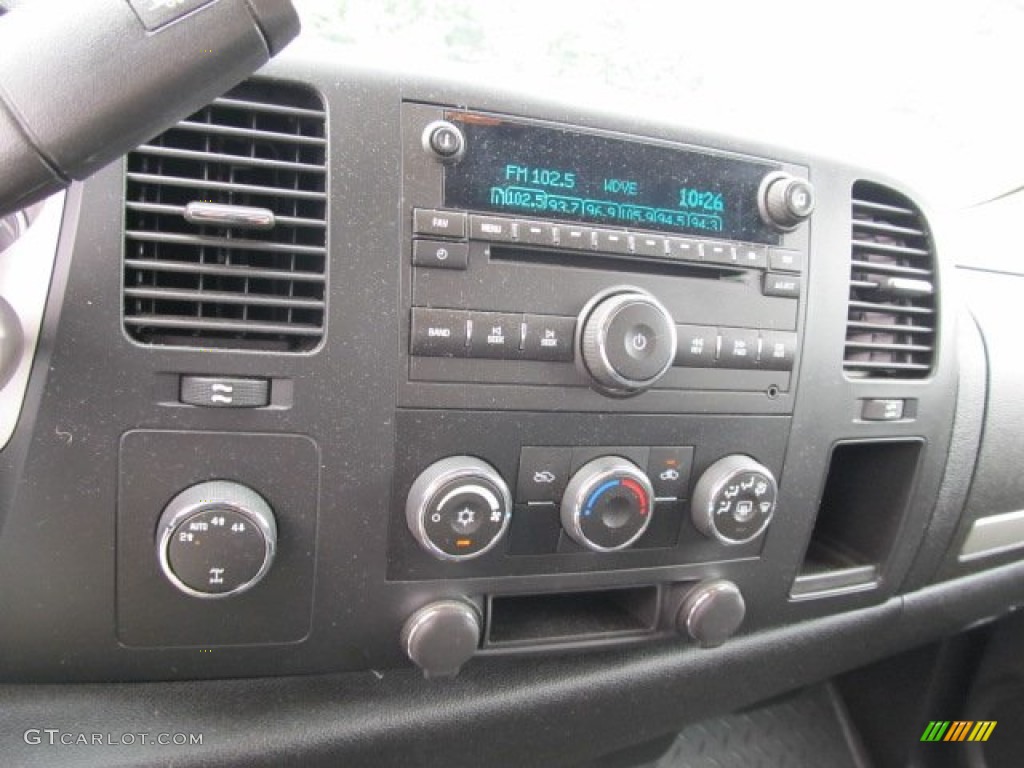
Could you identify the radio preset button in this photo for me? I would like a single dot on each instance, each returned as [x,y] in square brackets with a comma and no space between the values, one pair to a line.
[752,256]
[439,332]
[495,335]
[778,348]
[739,348]
[718,253]
[785,261]
[649,245]
[610,241]
[548,338]
[787,286]
[492,229]
[679,248]
[537,233]
[577,238]
[439,223]
[696,346]
[440,254]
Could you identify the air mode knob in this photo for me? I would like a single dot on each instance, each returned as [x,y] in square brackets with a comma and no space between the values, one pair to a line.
[607,504]
[785,201]
[216,539]
[627,340]
[458,508]
[734,500]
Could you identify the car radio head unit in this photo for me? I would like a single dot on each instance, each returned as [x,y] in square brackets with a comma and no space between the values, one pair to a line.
[545,259]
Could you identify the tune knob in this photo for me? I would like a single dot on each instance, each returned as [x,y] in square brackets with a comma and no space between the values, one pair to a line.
[458,508]
[607,504]
[734,500]
[216,539]
[627,340]
[785,201]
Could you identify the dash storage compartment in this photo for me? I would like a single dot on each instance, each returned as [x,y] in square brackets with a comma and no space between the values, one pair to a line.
[592,617]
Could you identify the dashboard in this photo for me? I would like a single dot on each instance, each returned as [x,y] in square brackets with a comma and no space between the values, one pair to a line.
[353,372]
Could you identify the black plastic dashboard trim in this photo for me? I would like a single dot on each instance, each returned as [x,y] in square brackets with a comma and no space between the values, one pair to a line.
[574,707]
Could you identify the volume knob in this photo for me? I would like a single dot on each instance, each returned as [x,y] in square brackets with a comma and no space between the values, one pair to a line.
[627,340]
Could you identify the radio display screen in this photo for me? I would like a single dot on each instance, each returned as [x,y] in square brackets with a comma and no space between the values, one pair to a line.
[539,171]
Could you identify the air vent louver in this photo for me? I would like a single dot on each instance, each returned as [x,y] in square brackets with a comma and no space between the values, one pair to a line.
[892,322]
[239,282]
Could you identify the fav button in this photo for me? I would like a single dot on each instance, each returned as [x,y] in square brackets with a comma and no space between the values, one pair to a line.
[441,223]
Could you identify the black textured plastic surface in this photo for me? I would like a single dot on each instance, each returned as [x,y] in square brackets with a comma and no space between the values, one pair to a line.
[798,731]
[553,711]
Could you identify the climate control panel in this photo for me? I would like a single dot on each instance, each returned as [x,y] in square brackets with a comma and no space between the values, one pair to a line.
[563,507]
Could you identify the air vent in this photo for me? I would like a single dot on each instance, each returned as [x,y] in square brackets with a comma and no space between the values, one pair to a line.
[225,225]
[892,322]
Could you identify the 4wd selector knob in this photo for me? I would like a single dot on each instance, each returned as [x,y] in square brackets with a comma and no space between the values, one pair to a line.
[734,500]
[627,340]
[458,508]
[216,539]
[607,505]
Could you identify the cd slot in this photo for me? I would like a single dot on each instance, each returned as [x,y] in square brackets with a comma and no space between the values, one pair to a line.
[610,263]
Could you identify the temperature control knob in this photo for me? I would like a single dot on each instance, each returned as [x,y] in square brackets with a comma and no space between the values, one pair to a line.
[216,539]
[458,508]
[734,500]
[627,340]
[785,201]
[607,504]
